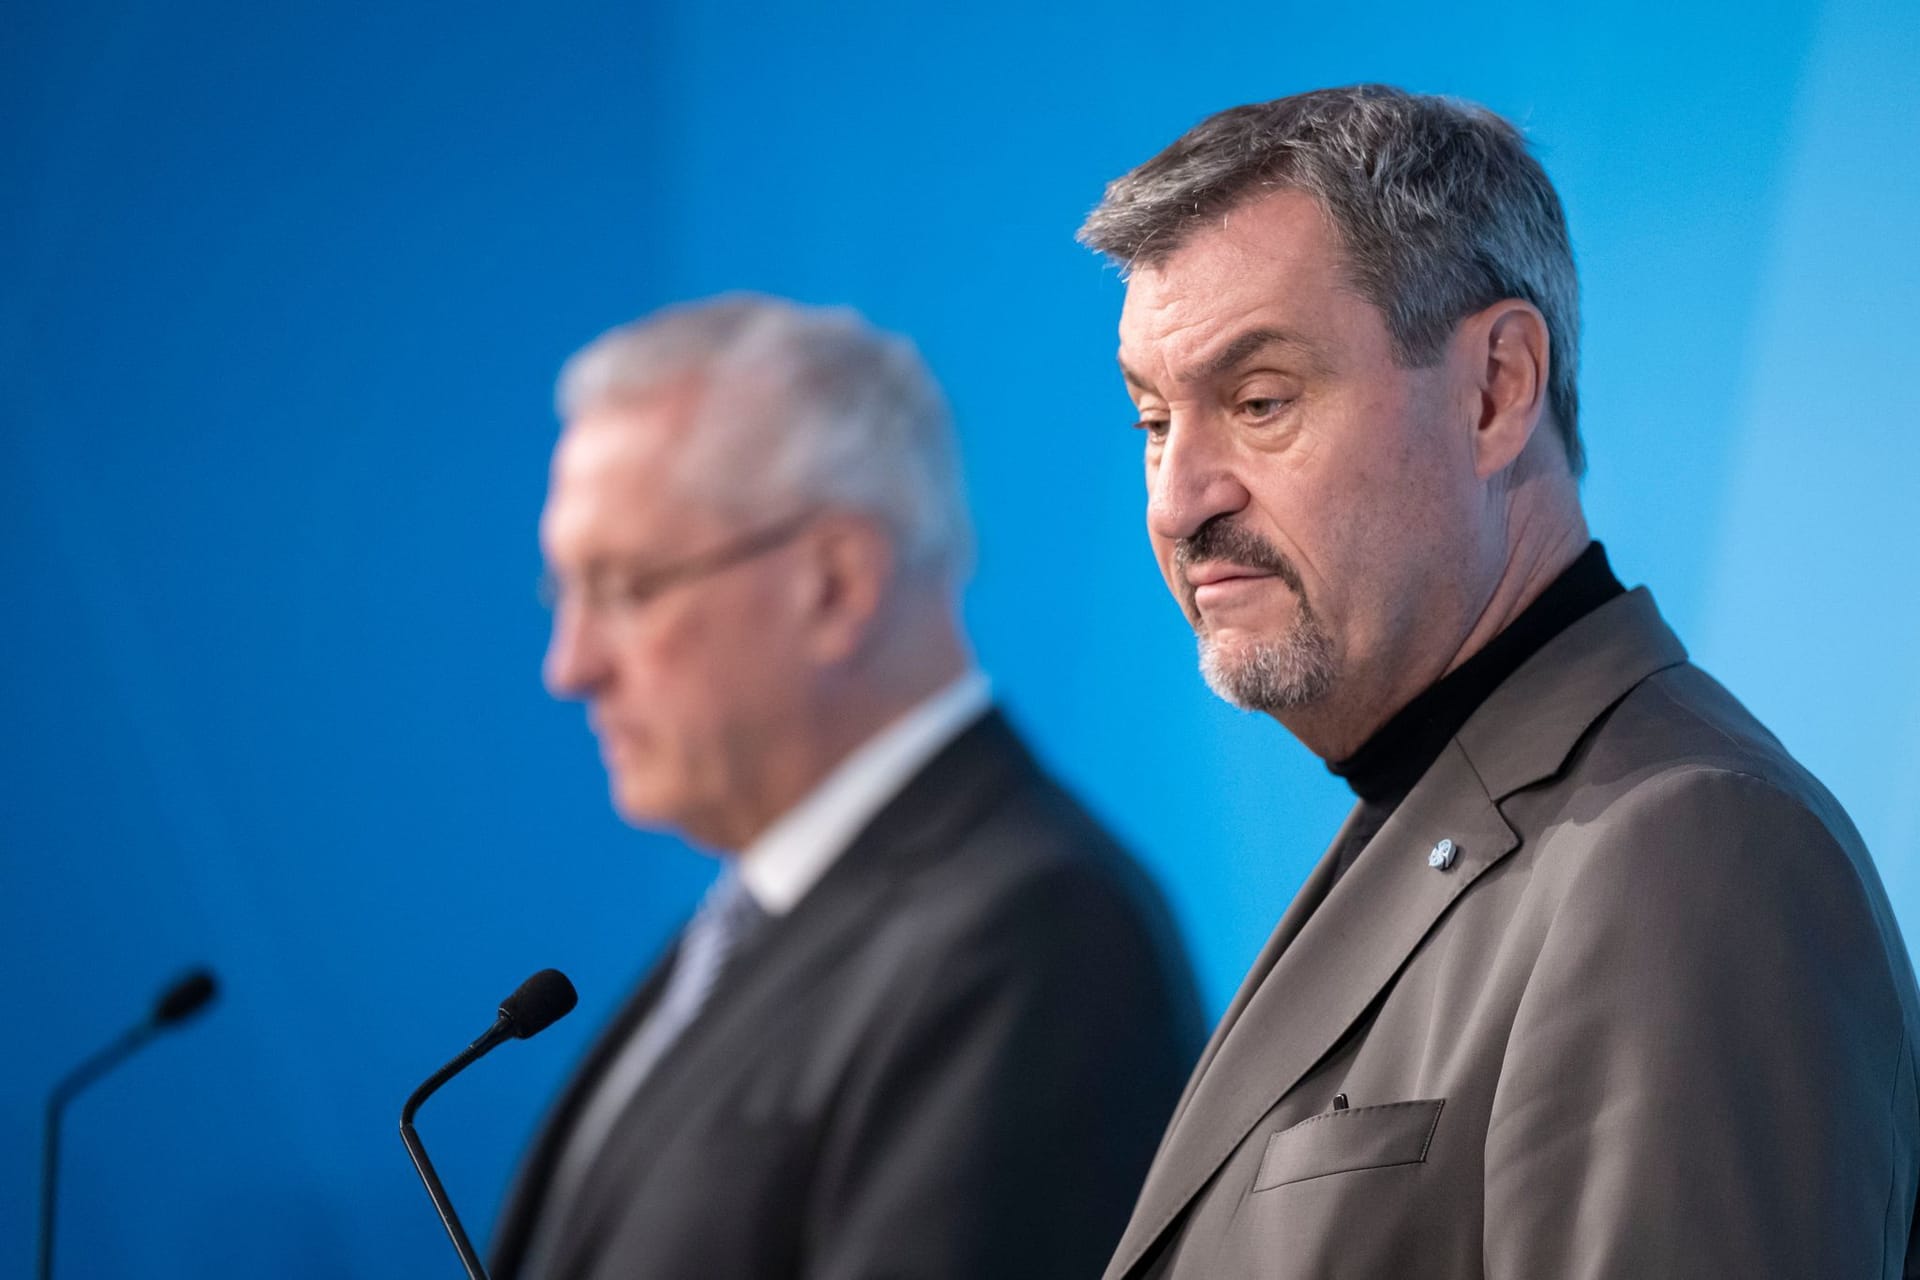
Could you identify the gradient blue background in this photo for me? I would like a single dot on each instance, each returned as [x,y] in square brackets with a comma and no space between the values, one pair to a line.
[283,291]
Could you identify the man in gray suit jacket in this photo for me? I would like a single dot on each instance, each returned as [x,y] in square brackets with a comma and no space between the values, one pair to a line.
[930,1019]
[1596,981]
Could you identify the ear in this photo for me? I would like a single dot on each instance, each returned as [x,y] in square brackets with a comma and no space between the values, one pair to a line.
[852,566]
[1507,345]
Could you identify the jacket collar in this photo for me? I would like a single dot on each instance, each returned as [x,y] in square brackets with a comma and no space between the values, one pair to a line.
[1529,725]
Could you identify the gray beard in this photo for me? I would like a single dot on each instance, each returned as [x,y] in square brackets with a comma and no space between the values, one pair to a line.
[1286,674]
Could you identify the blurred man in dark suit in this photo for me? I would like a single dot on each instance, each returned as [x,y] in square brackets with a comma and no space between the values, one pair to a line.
[930,1020]
[1596,981]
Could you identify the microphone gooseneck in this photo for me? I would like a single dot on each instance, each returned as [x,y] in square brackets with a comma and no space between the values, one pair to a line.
[535,1005]
[176,1004]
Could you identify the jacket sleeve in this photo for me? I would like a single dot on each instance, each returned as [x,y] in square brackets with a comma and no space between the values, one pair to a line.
[1001,1121]
[1710,1073]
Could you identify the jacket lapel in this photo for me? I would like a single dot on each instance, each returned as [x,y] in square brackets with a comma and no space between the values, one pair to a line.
[528,1189]
[1325,966]
[794,953]
[1304,903]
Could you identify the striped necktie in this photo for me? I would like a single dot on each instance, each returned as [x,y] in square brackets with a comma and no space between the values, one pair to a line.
[728,915]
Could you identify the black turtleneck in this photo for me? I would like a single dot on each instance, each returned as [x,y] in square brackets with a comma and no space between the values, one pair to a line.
[1387,765]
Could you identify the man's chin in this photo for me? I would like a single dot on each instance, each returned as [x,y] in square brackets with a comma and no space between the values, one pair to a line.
[1269,675]
[639,809]
[658,815]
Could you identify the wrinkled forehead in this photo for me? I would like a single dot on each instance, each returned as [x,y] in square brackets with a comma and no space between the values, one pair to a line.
[1273,264]
[631,433]
[629,472]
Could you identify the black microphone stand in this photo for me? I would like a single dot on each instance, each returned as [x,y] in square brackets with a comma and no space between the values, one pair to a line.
[76,1080]
[176,1004]
[494,1035]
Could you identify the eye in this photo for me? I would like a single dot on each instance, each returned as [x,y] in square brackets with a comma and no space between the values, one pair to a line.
[628,587]
[1156,429]
[607,587]
[1260,408]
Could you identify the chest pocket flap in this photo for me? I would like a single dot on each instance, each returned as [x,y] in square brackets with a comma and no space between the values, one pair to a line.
[1342,1141]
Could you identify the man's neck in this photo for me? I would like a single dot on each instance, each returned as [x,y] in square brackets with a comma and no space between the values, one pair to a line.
[1335,727]
[840,717]
[1528,572]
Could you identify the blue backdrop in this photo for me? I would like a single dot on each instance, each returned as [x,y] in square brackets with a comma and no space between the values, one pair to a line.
[285,287]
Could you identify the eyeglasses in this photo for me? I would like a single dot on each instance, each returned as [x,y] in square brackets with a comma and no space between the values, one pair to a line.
[612,590]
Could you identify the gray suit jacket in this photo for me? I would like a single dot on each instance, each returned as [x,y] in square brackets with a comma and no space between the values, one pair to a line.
[948,1062]
[1655,1019]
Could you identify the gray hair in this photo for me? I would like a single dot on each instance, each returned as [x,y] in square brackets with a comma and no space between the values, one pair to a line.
[1440,207]
[797,406]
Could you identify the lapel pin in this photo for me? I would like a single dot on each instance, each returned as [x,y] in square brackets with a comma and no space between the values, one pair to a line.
[1442,855]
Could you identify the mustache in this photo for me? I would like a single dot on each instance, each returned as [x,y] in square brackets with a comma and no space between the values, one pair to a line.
[1219,539]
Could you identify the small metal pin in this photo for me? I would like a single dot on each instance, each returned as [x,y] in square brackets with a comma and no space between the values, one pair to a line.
[1442,855]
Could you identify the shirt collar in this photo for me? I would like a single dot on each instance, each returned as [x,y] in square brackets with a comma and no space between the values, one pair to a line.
[790,856]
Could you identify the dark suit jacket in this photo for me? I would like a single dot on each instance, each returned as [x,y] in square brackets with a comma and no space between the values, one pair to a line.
[951,1059]
[1654,1020]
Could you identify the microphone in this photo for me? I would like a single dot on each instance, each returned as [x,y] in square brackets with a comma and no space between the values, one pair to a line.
[537,1004]
[176,1004]
[184,998]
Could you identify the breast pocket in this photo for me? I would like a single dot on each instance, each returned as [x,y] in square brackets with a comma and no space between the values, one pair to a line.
[1342,1141]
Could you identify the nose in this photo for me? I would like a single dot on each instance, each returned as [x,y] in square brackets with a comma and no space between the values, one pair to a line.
[576,662]
[1190,480]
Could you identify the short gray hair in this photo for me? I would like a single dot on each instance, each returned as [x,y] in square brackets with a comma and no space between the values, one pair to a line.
[1440,207]
[797,405]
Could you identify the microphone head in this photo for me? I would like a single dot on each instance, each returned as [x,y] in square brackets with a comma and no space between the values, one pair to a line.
[184,998]
[540,1001]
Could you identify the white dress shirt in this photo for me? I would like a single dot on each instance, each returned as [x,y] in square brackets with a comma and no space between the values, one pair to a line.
[789,857]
